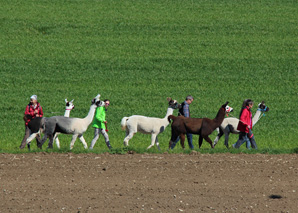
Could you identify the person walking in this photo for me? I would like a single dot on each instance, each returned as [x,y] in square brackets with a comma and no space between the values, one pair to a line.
[33,110]
[184,111]
[244,126]
[100,124]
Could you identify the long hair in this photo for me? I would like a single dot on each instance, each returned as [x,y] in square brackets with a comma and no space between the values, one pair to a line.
[245,103]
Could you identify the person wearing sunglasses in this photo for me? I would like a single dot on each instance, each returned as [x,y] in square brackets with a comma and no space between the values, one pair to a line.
[100,124]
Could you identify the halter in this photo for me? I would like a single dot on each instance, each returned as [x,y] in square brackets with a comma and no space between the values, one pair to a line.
[262,110]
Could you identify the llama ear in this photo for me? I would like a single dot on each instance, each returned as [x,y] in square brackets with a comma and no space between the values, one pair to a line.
[66,100]
[263,102]
[72,100]
[169,99]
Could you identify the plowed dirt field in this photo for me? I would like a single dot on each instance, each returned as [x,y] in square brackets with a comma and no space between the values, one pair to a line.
[53,182]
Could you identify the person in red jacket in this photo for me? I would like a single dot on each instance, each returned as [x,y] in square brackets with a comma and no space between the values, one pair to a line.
[245,125]
[33,109]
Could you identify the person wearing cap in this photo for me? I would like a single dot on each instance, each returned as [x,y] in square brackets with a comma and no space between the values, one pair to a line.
[33,109]
[100,124]
[184,111]
[244,126]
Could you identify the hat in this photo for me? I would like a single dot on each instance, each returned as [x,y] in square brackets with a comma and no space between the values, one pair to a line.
[34,97]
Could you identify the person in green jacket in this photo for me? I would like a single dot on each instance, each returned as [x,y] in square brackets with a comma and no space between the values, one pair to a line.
[99,123]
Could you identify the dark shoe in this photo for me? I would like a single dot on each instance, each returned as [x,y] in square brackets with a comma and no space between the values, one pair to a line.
[109,145]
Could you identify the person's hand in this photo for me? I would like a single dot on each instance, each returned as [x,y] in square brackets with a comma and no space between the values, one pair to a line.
[36,111]
[105,122]
[37,115]
[248,126]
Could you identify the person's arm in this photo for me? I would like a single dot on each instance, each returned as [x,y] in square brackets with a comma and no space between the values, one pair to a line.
[244,118]
[40,112]
[27,111]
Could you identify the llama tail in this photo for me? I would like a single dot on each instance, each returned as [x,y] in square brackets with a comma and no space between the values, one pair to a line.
[171,117]
[123,122]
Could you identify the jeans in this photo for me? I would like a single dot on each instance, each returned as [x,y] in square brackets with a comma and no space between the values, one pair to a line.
[248,137]
[242,138]
[189,140]
[251,138]
[96,136]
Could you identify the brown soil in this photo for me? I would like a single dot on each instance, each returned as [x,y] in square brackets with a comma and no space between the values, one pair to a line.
[43,182]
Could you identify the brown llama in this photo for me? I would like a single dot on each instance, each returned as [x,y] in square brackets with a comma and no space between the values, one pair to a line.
[198,126]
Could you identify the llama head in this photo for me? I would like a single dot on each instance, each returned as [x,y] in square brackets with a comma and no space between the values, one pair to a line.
[69,104]
[173,103]
[262,107]
[27,118]
[96,100]
[225,105]
[229,109]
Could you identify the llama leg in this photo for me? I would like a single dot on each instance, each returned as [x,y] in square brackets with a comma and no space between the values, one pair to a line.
[38,137]
[209,141]
[57,140]
[127,138]
[153,138]
[43,140]
[30,138]
[157,143]
[200,141]
[220,133]
[174,139]
[51,138]
[182,140]
[27,134]
[83,141]
[73,140]
[227,139]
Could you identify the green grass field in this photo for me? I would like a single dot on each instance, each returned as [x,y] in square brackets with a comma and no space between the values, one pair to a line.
[137,53]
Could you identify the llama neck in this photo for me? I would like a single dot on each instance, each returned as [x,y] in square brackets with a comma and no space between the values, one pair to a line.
[169,112]
[256,117]
[67,112]
[219,117]
[165,120]
[88,119]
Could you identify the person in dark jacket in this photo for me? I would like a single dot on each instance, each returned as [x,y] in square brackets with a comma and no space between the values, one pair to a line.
[33,110]
[184,111]
[244,126]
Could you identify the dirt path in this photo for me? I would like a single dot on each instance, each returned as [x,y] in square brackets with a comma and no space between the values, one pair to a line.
[43,182]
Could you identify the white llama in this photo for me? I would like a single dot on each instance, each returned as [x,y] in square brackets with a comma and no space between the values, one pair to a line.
[147,125]
[65,125]
[229,125]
